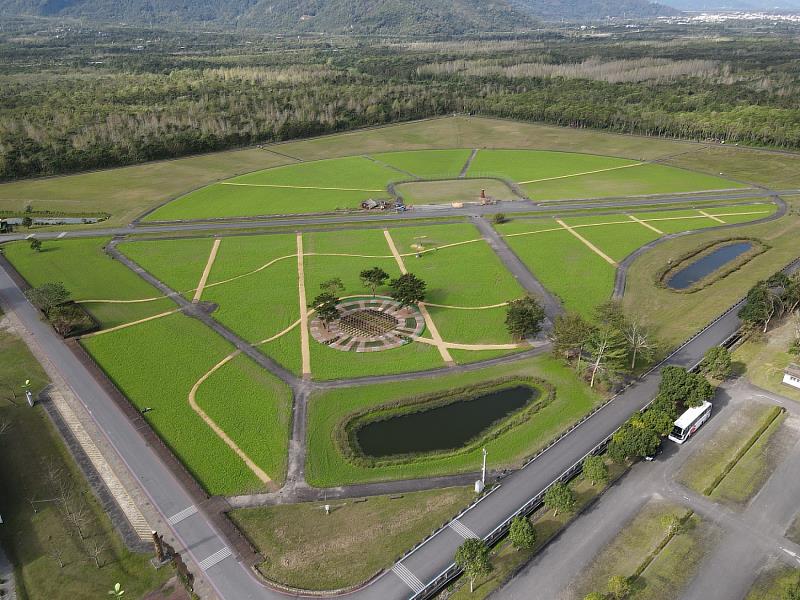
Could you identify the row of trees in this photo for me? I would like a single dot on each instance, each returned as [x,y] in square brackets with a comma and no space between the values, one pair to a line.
[607,349]
[407,289]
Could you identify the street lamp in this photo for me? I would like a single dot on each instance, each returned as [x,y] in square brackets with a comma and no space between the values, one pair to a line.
[28,395]
[481,483]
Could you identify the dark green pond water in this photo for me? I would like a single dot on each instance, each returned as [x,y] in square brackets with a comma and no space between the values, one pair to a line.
[442,428]
[703,267]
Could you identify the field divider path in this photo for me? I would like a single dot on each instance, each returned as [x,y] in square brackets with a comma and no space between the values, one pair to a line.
[198,292]
[712,217]
[465,168]
[257,471]
[518,269]
[392,167]
[301,187]
[646,224]
[588,244]
[639,164]
[132,323]
[437,338]
[305,350]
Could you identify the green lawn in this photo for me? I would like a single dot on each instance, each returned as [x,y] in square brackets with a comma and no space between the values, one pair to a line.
[527,165]
[618,241]
[764,360]
[773,582]
[566,267]
[308,549]
[29,447]
[327,467]
[634,181]
[705,466]
[430,164]
[155,365]
[178,263]
[90,274]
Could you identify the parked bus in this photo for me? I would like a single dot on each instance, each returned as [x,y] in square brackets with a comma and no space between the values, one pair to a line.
[689,422]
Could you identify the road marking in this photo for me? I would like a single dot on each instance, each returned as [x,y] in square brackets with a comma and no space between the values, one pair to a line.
[408,577]
[182,515]
[61,235]
[301,187]
[207,271]
[588,244]
[579,174]
[305,350]
[705,214]
[462,529]
[437,338]
[29,236]
[646,224]
[257,471]
[215,558]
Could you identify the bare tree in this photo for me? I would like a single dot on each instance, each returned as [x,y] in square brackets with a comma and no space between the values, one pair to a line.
[639,341]
[5,425]
[53,473]
[57,554]
[95,550]
[78,515]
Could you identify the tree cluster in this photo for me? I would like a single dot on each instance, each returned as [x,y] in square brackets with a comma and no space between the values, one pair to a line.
[771,299]
[606,349]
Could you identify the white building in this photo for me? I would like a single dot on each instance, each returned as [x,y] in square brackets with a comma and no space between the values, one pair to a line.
[791,376]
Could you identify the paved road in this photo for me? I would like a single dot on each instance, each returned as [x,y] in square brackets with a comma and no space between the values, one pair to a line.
[381,219]
[728,572]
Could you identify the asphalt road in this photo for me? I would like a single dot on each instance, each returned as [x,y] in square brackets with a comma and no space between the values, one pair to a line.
[233,580]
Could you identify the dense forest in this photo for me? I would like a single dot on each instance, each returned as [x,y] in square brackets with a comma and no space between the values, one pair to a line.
[74,98]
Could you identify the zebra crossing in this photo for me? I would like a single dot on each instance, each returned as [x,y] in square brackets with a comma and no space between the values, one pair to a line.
[182,515]
[215,558]
[461,529]
[408,577]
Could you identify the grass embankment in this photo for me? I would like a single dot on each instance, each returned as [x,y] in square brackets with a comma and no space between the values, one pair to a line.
[310,550]
[326,466]
[734,464]
[89,274]
[129,191]
[675,317]
[764,359]
[506,559]
[155,365]
[658,564]
[774,582]
[35,463]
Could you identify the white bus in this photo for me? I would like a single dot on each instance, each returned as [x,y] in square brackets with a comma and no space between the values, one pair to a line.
[689,422]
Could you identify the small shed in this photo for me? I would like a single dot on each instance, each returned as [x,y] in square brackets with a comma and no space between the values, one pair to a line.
[791,375]
[369,204]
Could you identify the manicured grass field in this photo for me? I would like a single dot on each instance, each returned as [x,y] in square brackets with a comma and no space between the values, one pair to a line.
[90,274]
[430,164]
[29,448]
[704,467]
[178,263]
[155,365]
[617,241]
[566,267]
[527,165]
[453,190]
[327,467]
[311,550]
[634,181]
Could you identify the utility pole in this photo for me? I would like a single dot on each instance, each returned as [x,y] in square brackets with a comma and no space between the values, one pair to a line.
[483,471]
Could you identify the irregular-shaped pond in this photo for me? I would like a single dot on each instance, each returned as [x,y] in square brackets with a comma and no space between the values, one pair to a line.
[706,265]
[444,427]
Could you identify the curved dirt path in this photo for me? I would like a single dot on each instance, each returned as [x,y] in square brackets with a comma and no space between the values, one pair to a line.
[257,471]
[131,324]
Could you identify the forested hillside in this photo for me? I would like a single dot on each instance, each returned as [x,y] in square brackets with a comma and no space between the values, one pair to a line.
[411,17]
[73,99]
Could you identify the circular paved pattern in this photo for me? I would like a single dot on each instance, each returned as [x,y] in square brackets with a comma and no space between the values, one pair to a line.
[369,325]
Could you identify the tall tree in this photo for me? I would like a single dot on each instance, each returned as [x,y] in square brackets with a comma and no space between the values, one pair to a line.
[325,306]
[680,386]
[473,557]
[640,342]
[595,469]
[619,587]
[332,286]
[408,289]
[48,296]
[571,334]
[611,313]
[609,352]
[559,498]
[522,534]
[633,441]
[717,362]
[373,278]
[524,318]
